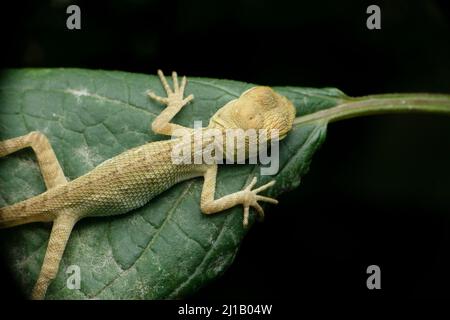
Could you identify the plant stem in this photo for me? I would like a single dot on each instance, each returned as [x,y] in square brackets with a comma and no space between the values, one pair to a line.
[380,104]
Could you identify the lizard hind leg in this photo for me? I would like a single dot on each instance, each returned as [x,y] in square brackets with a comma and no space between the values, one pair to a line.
[61,230]
[17,214]
[22,212]
[50,168]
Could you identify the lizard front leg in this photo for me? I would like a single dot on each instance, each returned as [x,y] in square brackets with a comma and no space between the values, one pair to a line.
[174,102]
[247,197]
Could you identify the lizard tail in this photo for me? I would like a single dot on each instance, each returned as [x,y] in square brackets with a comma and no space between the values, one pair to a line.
[21,213]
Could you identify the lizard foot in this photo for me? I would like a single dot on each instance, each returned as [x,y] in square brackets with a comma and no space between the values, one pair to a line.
[174,96]
[251,199]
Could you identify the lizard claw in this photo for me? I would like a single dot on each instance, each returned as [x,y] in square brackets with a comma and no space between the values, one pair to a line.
[152,95]
[174,95]
[251,199]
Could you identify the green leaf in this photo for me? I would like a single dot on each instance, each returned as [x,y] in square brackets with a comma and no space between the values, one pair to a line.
[166,249]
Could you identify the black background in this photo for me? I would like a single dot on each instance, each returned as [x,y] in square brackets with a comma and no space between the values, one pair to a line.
[378,191]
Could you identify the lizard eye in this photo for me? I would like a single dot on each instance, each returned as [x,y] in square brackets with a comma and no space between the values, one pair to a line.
[252,121]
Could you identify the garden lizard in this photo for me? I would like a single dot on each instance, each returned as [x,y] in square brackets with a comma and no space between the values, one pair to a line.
[131,179]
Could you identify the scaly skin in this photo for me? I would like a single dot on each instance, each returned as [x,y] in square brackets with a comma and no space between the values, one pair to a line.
[133,178]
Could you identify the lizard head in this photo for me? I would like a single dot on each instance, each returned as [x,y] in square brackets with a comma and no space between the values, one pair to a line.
[257,108]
